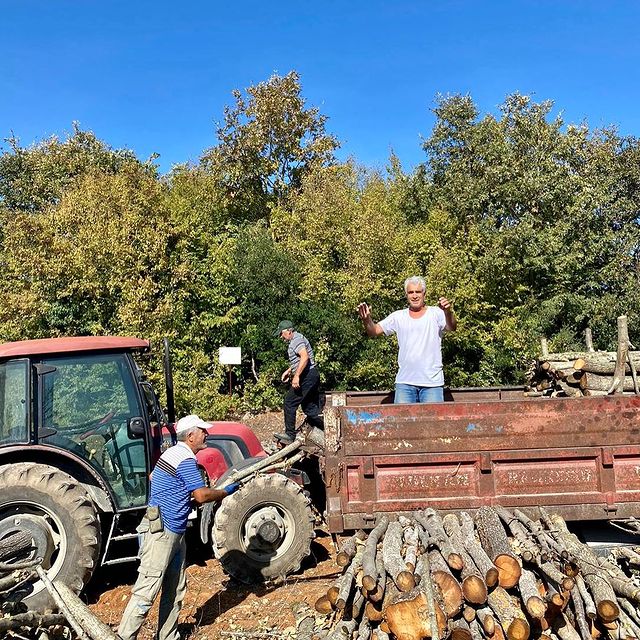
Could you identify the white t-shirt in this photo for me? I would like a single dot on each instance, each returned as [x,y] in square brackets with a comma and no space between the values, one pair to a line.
[419,342]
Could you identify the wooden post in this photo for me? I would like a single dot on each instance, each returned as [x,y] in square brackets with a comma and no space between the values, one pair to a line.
[544,347]
[588,340]
[617,385]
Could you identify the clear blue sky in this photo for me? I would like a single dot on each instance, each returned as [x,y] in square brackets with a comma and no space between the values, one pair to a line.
[155,76]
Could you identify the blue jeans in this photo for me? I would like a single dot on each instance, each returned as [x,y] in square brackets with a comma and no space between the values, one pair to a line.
[410,393]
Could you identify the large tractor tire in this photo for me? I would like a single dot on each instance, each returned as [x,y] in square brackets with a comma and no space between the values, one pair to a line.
[263,530]
[58,514]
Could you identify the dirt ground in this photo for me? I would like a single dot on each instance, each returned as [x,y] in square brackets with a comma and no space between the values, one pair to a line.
[216,606]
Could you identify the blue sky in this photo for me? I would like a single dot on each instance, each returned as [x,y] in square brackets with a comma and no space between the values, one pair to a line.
[155,76]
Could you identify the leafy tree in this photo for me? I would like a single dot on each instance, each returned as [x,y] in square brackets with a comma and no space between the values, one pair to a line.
[33,177]
[268,141]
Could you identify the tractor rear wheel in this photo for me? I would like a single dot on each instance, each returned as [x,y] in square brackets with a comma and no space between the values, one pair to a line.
[53,508]
[263,530]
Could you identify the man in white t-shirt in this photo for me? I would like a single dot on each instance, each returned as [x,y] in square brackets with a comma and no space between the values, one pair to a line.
[419,329]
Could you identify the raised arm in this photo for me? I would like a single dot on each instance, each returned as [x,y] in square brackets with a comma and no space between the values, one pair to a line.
[450,319]
[372,328]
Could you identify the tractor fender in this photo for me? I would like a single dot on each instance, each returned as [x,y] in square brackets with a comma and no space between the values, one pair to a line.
[79,469]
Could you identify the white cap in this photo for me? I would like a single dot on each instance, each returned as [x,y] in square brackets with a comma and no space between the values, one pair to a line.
[190,422]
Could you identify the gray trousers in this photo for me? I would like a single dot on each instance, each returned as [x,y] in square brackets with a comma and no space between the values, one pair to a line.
[162,566]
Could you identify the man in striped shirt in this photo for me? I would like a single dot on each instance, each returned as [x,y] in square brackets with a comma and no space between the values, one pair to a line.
[305,382]
[175,483]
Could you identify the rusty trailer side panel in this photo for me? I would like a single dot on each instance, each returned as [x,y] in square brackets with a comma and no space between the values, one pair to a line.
[580,457]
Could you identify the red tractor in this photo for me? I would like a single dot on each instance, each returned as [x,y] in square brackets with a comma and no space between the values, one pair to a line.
[80,430]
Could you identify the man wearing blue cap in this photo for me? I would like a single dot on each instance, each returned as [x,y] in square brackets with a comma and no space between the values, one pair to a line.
[305,382]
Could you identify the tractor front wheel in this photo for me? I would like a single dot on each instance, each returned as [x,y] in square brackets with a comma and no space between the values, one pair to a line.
[263,530]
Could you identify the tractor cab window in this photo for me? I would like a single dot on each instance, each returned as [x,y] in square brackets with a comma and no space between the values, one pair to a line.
[14,391]
[87,404]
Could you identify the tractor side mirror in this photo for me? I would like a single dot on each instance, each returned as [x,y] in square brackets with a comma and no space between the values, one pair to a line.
[136,427]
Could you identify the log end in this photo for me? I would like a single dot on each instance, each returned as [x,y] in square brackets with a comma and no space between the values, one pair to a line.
[608,610]
[323,605]
[518,629]
[509,570]
[370,582]
[536,607]
[405,581]
[474,590]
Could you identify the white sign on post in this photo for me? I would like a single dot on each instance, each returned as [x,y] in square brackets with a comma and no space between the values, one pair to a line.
[230,355]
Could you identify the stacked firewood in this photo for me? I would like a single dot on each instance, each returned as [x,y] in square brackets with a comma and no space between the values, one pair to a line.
[18,574]
[497,575]
[586,373]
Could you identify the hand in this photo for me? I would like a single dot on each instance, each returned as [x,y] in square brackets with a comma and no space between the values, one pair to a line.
[364,311]
[295,383]
[285,376]
[444,304]
[230,488]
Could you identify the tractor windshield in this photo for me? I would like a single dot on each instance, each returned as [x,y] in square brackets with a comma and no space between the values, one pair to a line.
[14,391]
[87,407]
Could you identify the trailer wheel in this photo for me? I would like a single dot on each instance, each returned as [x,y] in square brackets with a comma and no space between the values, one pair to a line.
[58,514]
[263,530]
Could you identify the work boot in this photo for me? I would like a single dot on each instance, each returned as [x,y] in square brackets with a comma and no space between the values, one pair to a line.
[284,437]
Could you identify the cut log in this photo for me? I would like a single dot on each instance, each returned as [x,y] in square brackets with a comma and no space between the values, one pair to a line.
[595,382]
[323,605]
[588,340]
[348,548]
[410,536]
[496,544]
[392,558]
[15,546]
[332,594]
[346,582]
[432,523]
[581,618]
[475,550]
[511,618]
[97,629]
[373,611]
[474,587]
[526,547]
[370,574]
[487,620]
[527,584]
[460,630]
[599,585]
[408,617]
[564,629]
[378,593]
[449,587]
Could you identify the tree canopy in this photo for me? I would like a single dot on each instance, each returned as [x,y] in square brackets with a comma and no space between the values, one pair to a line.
[529,224]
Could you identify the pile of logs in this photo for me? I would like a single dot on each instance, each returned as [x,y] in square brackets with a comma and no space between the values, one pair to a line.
[587,373]
[18,574]
[497,575]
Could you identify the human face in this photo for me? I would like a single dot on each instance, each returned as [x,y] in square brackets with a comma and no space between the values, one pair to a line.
[286,335]
[415,296]
[196,440]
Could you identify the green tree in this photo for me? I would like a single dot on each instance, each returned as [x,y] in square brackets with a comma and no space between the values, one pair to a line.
[268,141]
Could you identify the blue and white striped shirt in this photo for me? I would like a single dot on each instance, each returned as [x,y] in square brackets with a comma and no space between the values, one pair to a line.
[173,479]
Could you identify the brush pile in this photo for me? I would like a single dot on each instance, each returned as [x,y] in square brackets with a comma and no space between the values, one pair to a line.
[497,575]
